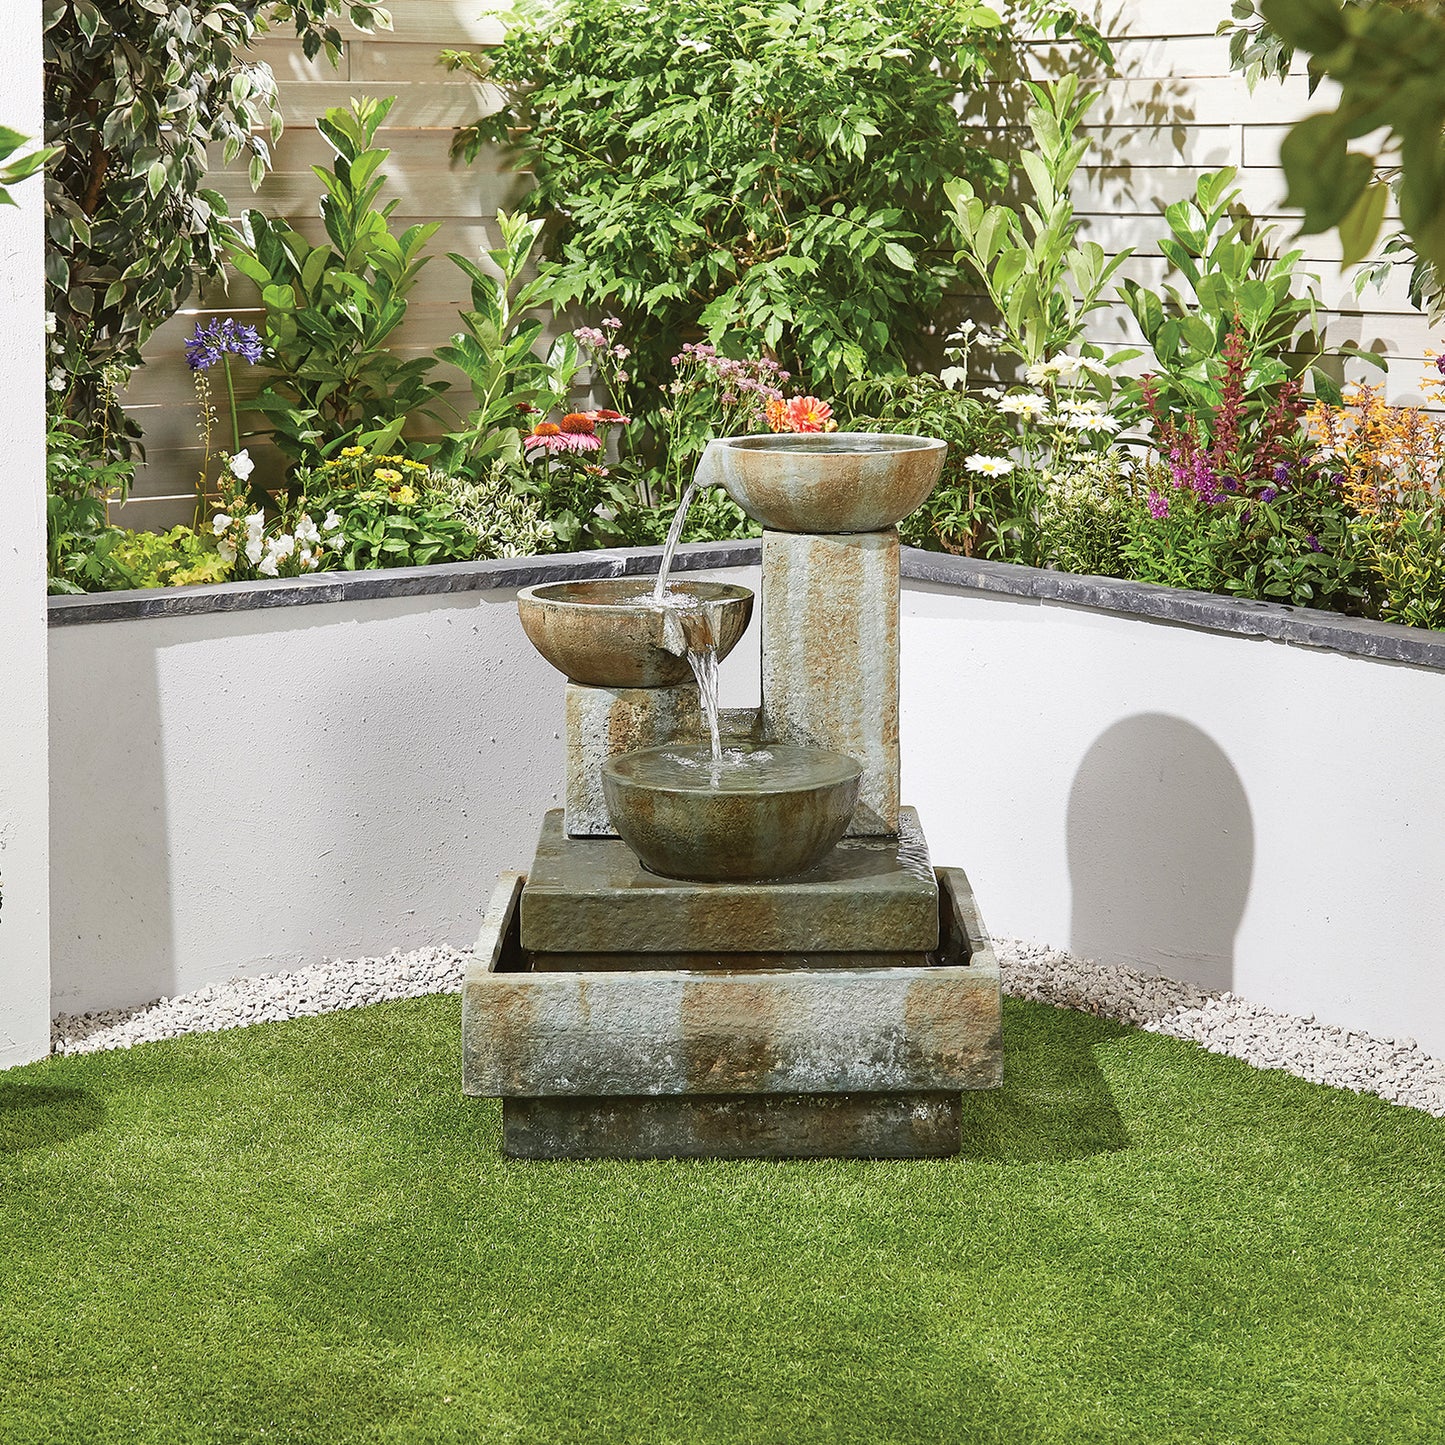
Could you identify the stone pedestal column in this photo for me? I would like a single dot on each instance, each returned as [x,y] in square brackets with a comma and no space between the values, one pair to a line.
[830,656]
[605,721]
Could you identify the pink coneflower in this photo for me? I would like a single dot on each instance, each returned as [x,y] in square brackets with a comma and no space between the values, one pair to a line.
[606,417]
[546,436]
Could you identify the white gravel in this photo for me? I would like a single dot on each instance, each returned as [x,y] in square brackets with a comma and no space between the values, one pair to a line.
[1224,1023]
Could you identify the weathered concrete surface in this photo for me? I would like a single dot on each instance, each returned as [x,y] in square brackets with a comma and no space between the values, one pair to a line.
[602,722]
[788,1031]
[830,657]
[773,811]
[830,483]
[608,633]
[738,1126]
[869,895]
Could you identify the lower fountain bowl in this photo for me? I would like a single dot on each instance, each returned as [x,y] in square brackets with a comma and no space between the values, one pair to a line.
[608,632]
[768,811]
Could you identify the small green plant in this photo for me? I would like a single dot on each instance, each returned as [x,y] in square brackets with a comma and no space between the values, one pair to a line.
[505,522]
[1042,280]
[1085,514]
[497,353]
[380,511]
[1231,285]
[81,482]
[331,309]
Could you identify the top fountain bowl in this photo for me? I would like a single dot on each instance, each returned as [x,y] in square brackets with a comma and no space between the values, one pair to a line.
[827,482]
[608,632]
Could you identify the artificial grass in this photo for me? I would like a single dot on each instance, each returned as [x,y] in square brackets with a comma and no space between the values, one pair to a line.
[302,1232]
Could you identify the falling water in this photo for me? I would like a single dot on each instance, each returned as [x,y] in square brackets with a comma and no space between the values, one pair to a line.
[703,661]
[674,532]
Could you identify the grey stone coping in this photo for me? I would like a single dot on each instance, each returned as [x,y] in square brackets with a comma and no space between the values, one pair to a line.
[1303,626]
[446,577]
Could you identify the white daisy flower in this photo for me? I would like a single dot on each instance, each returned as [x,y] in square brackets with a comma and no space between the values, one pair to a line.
[989,466]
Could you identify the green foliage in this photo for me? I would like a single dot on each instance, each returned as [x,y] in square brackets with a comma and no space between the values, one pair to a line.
[497,353]
[80,552]
[1228,273]
[967,512]
[1086,513]
[1286,542]
[1387,59]
[1042,280]
[135,93]
[331,308]
[1405,549]
[12,172]
[177,558]
[776,169]
[505,522]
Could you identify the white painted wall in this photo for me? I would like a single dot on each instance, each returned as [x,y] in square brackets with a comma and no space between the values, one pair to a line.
[1246,813]
[255,791]
[24,946]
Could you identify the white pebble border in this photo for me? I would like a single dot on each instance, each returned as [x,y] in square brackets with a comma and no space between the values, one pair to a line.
[1224,1023]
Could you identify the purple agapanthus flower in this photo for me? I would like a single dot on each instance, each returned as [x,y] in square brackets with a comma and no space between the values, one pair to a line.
[1281,475]
[209,343]
[1269,494]
[1314,542]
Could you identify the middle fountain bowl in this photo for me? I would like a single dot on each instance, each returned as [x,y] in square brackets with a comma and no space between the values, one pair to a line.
[608,632]
[768,810]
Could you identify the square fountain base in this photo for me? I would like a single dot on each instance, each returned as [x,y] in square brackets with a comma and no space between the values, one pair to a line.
[922,1125]
[840,1055]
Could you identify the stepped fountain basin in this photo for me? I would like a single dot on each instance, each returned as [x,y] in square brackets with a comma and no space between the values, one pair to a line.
[609,632]
[764,811]
[828,482]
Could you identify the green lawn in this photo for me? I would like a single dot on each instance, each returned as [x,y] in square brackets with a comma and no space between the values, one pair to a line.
[301,1232]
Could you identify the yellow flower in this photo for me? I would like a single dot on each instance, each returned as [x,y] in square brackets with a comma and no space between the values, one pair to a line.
[387,475]
[404,496]
[353,451]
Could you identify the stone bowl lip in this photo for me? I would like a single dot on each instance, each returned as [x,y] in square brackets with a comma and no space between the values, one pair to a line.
[806,444]
[550,594]
[846,776]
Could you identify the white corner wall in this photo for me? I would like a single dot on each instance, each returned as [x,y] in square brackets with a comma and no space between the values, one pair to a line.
[1246,813]
[24,945]
[254,791]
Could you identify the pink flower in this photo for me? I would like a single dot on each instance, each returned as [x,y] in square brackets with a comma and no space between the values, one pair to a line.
[1158,505]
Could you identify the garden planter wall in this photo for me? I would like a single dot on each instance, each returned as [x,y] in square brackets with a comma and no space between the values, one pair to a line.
[1245,795]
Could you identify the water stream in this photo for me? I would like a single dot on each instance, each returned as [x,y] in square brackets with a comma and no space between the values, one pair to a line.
[699,636]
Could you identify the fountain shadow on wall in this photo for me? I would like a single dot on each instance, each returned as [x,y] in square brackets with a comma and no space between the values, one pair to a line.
[1161,851]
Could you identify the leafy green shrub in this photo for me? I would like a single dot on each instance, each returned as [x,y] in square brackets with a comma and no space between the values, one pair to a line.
[1232,286]
[497,354]
[331,308]
[775,169]
[504,521]
[1086,514]
[1043,281]
[135,92]
[177,558]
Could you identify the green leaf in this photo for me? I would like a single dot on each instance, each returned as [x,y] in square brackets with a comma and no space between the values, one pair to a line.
[1360,227]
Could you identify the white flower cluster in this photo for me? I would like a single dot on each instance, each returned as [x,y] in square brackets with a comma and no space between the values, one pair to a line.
[303,547]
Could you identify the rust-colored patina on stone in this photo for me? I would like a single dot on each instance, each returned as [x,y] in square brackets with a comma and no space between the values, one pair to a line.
[686,816]
[786,1031]
[869,895]
[828,482]
[830,657]
[607,632]
[603,722]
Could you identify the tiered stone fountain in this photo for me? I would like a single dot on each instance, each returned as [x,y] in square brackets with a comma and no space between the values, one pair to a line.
[764,963]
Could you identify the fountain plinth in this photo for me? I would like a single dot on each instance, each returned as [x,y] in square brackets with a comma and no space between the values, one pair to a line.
[765,963]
